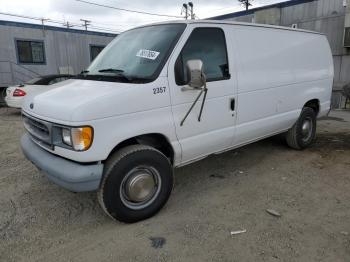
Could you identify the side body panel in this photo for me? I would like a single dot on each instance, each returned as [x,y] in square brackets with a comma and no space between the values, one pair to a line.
[278,72]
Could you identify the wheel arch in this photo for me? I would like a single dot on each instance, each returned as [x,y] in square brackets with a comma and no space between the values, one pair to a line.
[156,140]
[314,104]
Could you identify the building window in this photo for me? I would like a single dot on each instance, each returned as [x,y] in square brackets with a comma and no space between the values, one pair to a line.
[95,50]
[30,52]
[347,37]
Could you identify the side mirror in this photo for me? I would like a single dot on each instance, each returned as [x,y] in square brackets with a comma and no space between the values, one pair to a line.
[195,74]
[196,80]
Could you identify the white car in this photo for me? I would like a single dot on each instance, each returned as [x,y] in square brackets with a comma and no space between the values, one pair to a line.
[15,94]
[165,95]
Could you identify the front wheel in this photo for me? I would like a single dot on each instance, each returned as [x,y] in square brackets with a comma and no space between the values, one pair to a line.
[303,132]
[136,184]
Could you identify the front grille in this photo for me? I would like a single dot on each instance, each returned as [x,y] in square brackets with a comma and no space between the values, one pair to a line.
[40,130]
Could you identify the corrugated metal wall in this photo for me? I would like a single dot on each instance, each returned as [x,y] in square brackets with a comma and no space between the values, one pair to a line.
[62,49]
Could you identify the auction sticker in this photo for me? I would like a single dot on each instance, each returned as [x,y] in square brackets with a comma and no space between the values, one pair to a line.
[149,54]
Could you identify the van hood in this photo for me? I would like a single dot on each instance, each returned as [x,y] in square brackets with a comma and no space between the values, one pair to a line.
[69,98]
[78,100]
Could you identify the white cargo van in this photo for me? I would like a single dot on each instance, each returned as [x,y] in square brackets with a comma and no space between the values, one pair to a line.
[165,95]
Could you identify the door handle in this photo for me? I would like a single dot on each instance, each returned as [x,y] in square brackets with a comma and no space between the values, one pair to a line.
[232,104]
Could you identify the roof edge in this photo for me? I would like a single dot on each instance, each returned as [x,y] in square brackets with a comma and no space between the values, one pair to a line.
[54,28]
[253,10]
[230,22]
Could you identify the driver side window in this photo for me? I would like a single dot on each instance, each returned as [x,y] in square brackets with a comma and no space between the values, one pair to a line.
[208,45]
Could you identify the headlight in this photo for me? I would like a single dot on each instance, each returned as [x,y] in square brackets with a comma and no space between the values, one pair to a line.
[80,138]
[66,137]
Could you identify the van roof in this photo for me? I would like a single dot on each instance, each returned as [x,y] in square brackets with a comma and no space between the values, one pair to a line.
[203,21]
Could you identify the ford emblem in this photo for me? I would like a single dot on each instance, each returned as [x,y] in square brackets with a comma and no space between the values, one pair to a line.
[31,105]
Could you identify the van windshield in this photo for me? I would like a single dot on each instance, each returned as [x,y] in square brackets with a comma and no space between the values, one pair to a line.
[137,55]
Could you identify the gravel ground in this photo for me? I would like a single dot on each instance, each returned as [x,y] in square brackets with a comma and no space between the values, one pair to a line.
[310,189]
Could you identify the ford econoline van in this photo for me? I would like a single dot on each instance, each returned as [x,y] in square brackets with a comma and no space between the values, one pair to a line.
[165,95]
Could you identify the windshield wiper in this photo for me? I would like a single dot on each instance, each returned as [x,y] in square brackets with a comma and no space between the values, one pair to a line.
[84,72]
[118,73]
[111,70]
[115,74]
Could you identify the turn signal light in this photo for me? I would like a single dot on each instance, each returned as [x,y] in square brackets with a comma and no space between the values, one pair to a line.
[82,138]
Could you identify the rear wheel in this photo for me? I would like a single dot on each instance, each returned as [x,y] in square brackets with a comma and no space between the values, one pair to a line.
[136,184]
[303,132]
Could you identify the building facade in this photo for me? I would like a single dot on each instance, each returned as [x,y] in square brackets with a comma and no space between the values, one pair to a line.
[30,50]
[330,17]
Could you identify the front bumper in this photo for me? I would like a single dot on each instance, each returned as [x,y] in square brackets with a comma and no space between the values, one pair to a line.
[65,173]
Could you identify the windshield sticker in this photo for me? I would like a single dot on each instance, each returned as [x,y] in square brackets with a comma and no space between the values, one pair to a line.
[149,54]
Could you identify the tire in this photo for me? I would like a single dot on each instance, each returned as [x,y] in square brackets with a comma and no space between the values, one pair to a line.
[137,182]
[303,132]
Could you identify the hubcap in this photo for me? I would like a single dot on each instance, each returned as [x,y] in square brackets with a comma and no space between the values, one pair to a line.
[306,129]
[140,187]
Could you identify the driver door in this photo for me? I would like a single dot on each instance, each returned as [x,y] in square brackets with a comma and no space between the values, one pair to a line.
[215,131]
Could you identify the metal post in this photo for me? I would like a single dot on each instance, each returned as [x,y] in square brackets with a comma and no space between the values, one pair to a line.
[43,25]
[68,25]
[86,23]
[246,3]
